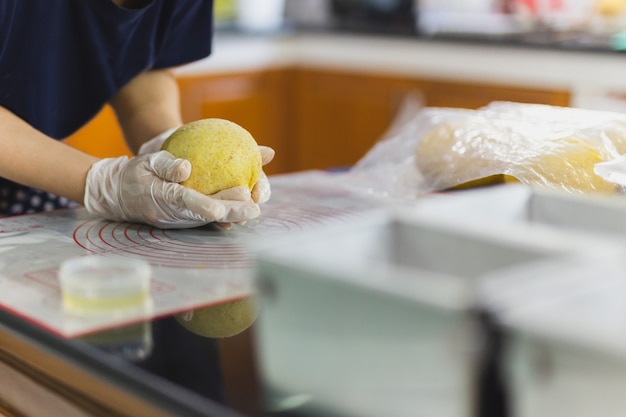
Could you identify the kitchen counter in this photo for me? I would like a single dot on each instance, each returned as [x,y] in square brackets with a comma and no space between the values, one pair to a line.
[158,368]
[161,369]
[589,73]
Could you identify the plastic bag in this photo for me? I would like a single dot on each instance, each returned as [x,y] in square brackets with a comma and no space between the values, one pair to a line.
[608,123]
[613,171]
[538,145]
[388,171]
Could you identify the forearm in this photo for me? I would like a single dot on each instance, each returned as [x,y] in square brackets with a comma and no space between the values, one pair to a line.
[36,160]
[148,106]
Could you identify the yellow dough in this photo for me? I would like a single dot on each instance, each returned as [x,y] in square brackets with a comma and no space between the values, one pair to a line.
[568,165]
[475,150]
[222,154]
[222,320]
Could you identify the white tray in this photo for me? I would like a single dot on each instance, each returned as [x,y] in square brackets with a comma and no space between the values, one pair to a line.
[375,317]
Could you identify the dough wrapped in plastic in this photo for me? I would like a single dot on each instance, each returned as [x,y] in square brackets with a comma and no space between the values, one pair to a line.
[520,143]
[436,148]
[609,123]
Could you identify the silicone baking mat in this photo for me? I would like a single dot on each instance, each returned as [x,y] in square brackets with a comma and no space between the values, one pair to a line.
[191,268]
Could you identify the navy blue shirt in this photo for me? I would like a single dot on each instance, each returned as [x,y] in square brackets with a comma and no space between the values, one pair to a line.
[62,60]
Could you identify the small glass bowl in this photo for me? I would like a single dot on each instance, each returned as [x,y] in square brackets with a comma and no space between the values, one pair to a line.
[105,284]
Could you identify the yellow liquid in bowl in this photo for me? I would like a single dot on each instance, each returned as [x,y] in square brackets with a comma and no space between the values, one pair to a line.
[82,304]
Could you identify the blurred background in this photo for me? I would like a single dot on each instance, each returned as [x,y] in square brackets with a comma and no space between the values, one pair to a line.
[567,21]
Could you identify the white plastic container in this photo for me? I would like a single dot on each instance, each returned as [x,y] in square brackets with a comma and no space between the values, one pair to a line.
[565,324]
[377,317]
[567,338]
[105,285]
[259,15]
[601,216]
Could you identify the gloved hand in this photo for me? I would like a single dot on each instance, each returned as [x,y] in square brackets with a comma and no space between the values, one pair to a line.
[146,189]
[261,191]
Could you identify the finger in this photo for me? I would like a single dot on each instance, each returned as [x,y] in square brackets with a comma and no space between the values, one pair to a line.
[238,211]
[228,226]
[262,190]
[223,211]
[240,193]
[167,167]
[194,201]
[267,154]
[179,223]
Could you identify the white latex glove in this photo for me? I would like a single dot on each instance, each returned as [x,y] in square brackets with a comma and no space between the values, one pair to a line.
[154,144]
[261,191]
[613,171]
[145,189]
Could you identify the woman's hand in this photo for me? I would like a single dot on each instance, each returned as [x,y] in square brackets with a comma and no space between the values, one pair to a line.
[146,189]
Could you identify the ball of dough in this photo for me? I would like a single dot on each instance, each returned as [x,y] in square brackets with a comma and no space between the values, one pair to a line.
[222,154]
[222,320]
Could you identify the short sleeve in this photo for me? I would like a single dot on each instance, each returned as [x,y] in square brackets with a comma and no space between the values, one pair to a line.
[189,33]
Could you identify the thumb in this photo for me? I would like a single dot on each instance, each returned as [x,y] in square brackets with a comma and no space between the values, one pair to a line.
[267,154]
[167,167]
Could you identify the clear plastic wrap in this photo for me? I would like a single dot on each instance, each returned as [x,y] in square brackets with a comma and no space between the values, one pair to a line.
[388,171]
[608,123]
[538,145]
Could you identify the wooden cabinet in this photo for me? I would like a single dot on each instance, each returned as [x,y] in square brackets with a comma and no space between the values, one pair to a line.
[255,100]
[258,101]
[474,95]
[341,115]
[313,118]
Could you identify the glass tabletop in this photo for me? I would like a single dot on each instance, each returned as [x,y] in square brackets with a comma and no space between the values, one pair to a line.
[165,359]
